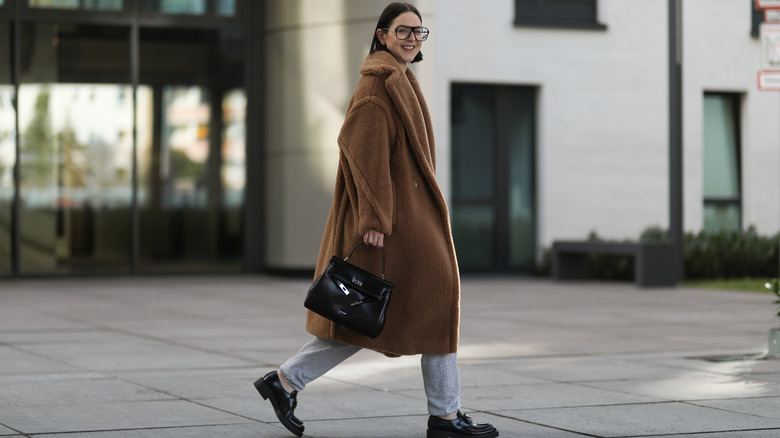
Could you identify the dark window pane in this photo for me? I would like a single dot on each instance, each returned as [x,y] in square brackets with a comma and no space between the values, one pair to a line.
[106,5]
[472,139]
[474,230]
[193,7]
[557,13]
[721,169]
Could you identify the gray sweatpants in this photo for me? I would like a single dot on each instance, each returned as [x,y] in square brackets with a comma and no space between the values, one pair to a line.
[440,372]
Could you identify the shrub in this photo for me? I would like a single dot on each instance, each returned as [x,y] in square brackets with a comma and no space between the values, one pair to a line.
[726,254]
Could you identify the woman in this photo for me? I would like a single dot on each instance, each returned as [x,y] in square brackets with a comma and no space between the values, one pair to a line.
[387,194]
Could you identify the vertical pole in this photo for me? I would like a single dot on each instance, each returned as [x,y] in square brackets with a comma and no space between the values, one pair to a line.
[676,234]
[252,13]
[16,43]
[134,79]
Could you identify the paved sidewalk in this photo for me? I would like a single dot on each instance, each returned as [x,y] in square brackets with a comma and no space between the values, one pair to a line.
[176,357]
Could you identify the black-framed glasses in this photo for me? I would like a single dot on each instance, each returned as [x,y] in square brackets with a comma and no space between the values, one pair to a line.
[402,32]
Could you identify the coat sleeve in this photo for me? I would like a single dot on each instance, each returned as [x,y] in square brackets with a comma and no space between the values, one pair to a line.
[365,140]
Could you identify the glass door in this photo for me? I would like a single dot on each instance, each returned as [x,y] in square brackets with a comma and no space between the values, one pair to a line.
[191,109]
[493,159]
[76,120]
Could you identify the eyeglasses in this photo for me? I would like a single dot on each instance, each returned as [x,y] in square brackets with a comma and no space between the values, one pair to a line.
[402,32]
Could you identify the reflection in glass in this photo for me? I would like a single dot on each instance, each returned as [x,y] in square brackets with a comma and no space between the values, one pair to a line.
[75,176]
[226,7]
[474,230]
[7,151]
[109,5]
[721,169]
[75,122]
[191,115]
[522,223]
[7,161]
[473,137]
[193,7]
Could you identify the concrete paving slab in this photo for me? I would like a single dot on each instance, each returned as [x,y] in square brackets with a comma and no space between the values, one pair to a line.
[6,432]
[252,430]
[498,398]
[537,358]
[197,384]
[768,407]
[644,420]
[251,407]
[326,399]
[68,391]
[16,361]
[583,369]
[693,385]
[381,427]
[114,416]
[132,354]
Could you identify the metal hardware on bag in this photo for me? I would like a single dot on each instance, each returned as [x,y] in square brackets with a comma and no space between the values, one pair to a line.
[356,303]
[342,313]
[357,282]
[344,289]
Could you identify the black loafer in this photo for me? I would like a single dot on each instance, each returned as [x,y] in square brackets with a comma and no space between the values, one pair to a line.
[270,387]
[461,427]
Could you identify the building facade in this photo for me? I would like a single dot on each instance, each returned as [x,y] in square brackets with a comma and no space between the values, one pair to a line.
[200,135]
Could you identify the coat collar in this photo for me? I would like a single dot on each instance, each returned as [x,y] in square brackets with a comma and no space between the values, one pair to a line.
[406,94]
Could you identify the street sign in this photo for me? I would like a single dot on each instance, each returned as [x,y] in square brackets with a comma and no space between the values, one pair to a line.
[770,46]
[768,4]
[769,80]
[772,15]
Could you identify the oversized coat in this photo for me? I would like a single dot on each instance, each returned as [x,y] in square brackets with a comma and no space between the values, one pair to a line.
[386,181]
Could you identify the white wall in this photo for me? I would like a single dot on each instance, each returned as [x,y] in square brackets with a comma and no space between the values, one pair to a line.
[721,56]
[602,124]
[314,50]
[602,146]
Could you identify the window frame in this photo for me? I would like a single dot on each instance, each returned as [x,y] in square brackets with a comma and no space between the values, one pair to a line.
[547,18]
[756,18]
[735,100]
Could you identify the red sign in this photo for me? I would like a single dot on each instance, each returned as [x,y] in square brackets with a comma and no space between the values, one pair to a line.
[767,4]
[769,80]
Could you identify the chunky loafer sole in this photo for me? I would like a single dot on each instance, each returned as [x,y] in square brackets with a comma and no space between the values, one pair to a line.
[432,433]
[267,393]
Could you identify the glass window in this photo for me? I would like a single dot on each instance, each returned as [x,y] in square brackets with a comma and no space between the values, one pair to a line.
[558,13]
[108,5]
[75,120]
[192,7]
[722,188]
[493,159]
[7,149]
[521,106]
[191,150]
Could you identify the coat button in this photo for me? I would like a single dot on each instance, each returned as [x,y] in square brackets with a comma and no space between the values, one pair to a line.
[415,183]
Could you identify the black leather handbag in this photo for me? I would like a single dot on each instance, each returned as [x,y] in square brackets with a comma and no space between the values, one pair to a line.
[351,297]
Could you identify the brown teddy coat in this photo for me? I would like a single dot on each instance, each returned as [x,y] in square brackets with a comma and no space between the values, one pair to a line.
[386,181]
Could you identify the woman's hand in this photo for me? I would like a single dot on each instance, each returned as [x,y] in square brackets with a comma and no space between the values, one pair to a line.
[374,238]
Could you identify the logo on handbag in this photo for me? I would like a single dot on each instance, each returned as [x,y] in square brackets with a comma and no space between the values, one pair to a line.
[357,282]
[344,289]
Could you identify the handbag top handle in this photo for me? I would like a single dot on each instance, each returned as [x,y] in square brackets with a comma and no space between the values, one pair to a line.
[383,257]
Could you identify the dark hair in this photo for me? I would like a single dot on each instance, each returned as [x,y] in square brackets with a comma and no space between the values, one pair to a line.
[390,13]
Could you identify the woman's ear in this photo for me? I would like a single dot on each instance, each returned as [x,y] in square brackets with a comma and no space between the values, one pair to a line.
[380,35]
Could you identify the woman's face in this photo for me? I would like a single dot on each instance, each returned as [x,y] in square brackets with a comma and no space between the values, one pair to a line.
[405,50]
